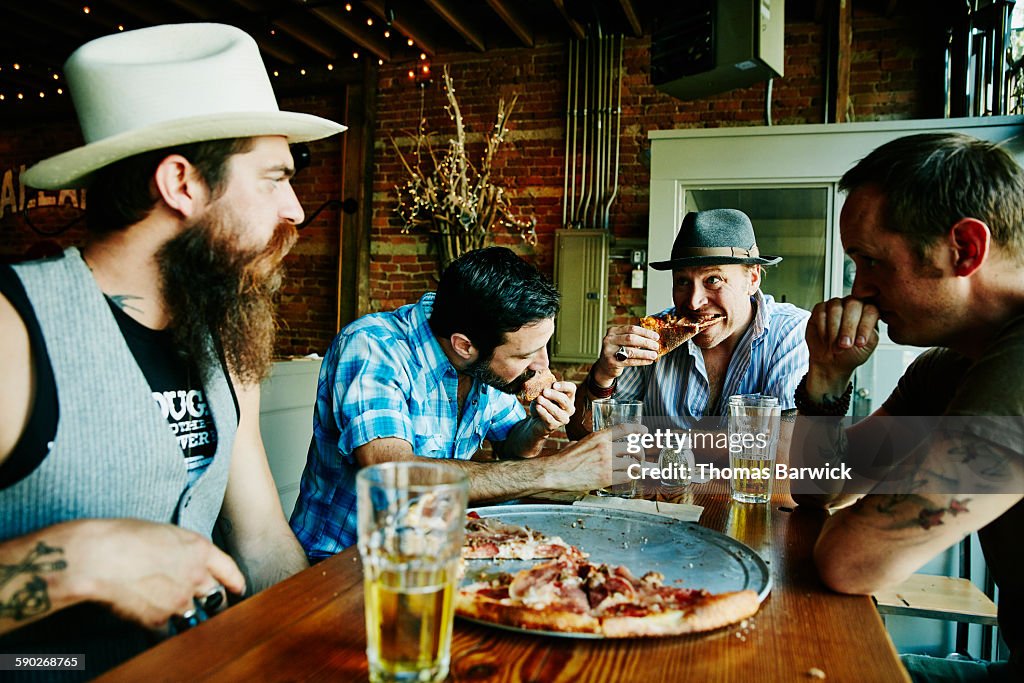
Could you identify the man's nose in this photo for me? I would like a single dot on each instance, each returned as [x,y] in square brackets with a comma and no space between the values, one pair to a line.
[697,298]
[862,287]
[291,209]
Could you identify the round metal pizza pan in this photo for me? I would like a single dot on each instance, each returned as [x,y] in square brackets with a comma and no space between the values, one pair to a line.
[687,554]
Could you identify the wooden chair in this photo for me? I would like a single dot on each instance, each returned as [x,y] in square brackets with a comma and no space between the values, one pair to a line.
[948,598]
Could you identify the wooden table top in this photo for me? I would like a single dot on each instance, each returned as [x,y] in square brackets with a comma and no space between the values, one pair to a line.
[310,627]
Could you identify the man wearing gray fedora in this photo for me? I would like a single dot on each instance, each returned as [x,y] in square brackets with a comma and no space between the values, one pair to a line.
[130,368]
[754,345]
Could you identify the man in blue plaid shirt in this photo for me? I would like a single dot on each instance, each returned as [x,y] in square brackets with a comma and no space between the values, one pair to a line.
[435,380]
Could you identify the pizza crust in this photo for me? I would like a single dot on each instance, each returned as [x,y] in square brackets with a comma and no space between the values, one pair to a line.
[712,612]
[536,385]
[506,612]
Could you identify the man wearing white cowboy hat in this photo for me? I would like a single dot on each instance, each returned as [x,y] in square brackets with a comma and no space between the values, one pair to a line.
[754,345]
[130,369]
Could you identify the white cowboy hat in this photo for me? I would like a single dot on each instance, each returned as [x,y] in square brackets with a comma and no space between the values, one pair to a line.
[175,84]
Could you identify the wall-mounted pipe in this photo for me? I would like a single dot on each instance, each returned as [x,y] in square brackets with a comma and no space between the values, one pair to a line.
[593,128]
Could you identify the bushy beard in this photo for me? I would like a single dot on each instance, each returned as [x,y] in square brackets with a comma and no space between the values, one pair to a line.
[214,290]
[480,369]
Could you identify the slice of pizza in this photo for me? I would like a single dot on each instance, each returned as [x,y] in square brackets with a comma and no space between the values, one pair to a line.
[536,385]
[569,594]
[491,538]
[630,607]
[546,597]
[673,330]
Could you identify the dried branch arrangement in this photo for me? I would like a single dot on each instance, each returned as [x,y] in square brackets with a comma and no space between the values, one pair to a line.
[451,199]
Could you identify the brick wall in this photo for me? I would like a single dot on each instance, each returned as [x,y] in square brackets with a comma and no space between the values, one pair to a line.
[889,79]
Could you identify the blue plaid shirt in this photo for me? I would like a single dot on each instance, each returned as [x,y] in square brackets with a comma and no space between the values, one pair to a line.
[770,359]
[386,376]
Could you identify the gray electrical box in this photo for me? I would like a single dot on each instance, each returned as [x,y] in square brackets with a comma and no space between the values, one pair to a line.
[581,275]
[703,47]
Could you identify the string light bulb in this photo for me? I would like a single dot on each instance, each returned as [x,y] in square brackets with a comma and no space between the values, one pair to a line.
[17,66]
[21,96]
[355,55]
[86,10]
[276,74]
[42,94]
[423,55]
[330,67]
[302,72]
[120,27]
[412,74]
[387,34]
[60,91]
[348,7]
[409,42]
[369,21]
[56,77]
[380,62]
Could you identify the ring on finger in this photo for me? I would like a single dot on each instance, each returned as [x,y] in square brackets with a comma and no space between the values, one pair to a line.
[623,354]
[213,600]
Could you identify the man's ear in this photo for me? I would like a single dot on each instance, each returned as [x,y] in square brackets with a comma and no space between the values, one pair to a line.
[755,279]
[463,347]
[970,240]
[179,185]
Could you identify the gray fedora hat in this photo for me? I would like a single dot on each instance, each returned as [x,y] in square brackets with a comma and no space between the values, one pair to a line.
[715,237]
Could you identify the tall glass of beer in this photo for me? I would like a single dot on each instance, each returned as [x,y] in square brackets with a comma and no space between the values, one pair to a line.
[411,521]
[754,424]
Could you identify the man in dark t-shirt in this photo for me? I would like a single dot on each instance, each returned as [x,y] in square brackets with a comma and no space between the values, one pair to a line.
[935,226]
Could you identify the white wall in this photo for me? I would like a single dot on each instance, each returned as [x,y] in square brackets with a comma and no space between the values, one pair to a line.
[286,421]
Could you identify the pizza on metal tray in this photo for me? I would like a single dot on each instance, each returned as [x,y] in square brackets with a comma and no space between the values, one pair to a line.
[573,595]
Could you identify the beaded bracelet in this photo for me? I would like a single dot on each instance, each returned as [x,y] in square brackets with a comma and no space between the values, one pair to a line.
[598,391]
[836,407]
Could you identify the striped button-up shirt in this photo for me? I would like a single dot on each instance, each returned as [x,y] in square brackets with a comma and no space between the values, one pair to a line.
[386,376]
[770,358]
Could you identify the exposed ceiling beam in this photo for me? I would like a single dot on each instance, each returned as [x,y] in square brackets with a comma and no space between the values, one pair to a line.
[202,10]
[398,23]
[298,28]
[446,11]
[575,26]
[31,14]
[149,13]
[631,16]
[511,17]
[357,34]
[25,82]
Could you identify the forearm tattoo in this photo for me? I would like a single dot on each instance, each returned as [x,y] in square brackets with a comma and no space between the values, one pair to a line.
[32,598]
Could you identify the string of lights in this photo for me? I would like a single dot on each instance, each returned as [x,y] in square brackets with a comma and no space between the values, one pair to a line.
[37,81]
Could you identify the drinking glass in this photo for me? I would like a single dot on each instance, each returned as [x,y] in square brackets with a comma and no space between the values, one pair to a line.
[608,412]
[754,424]
[411,521]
